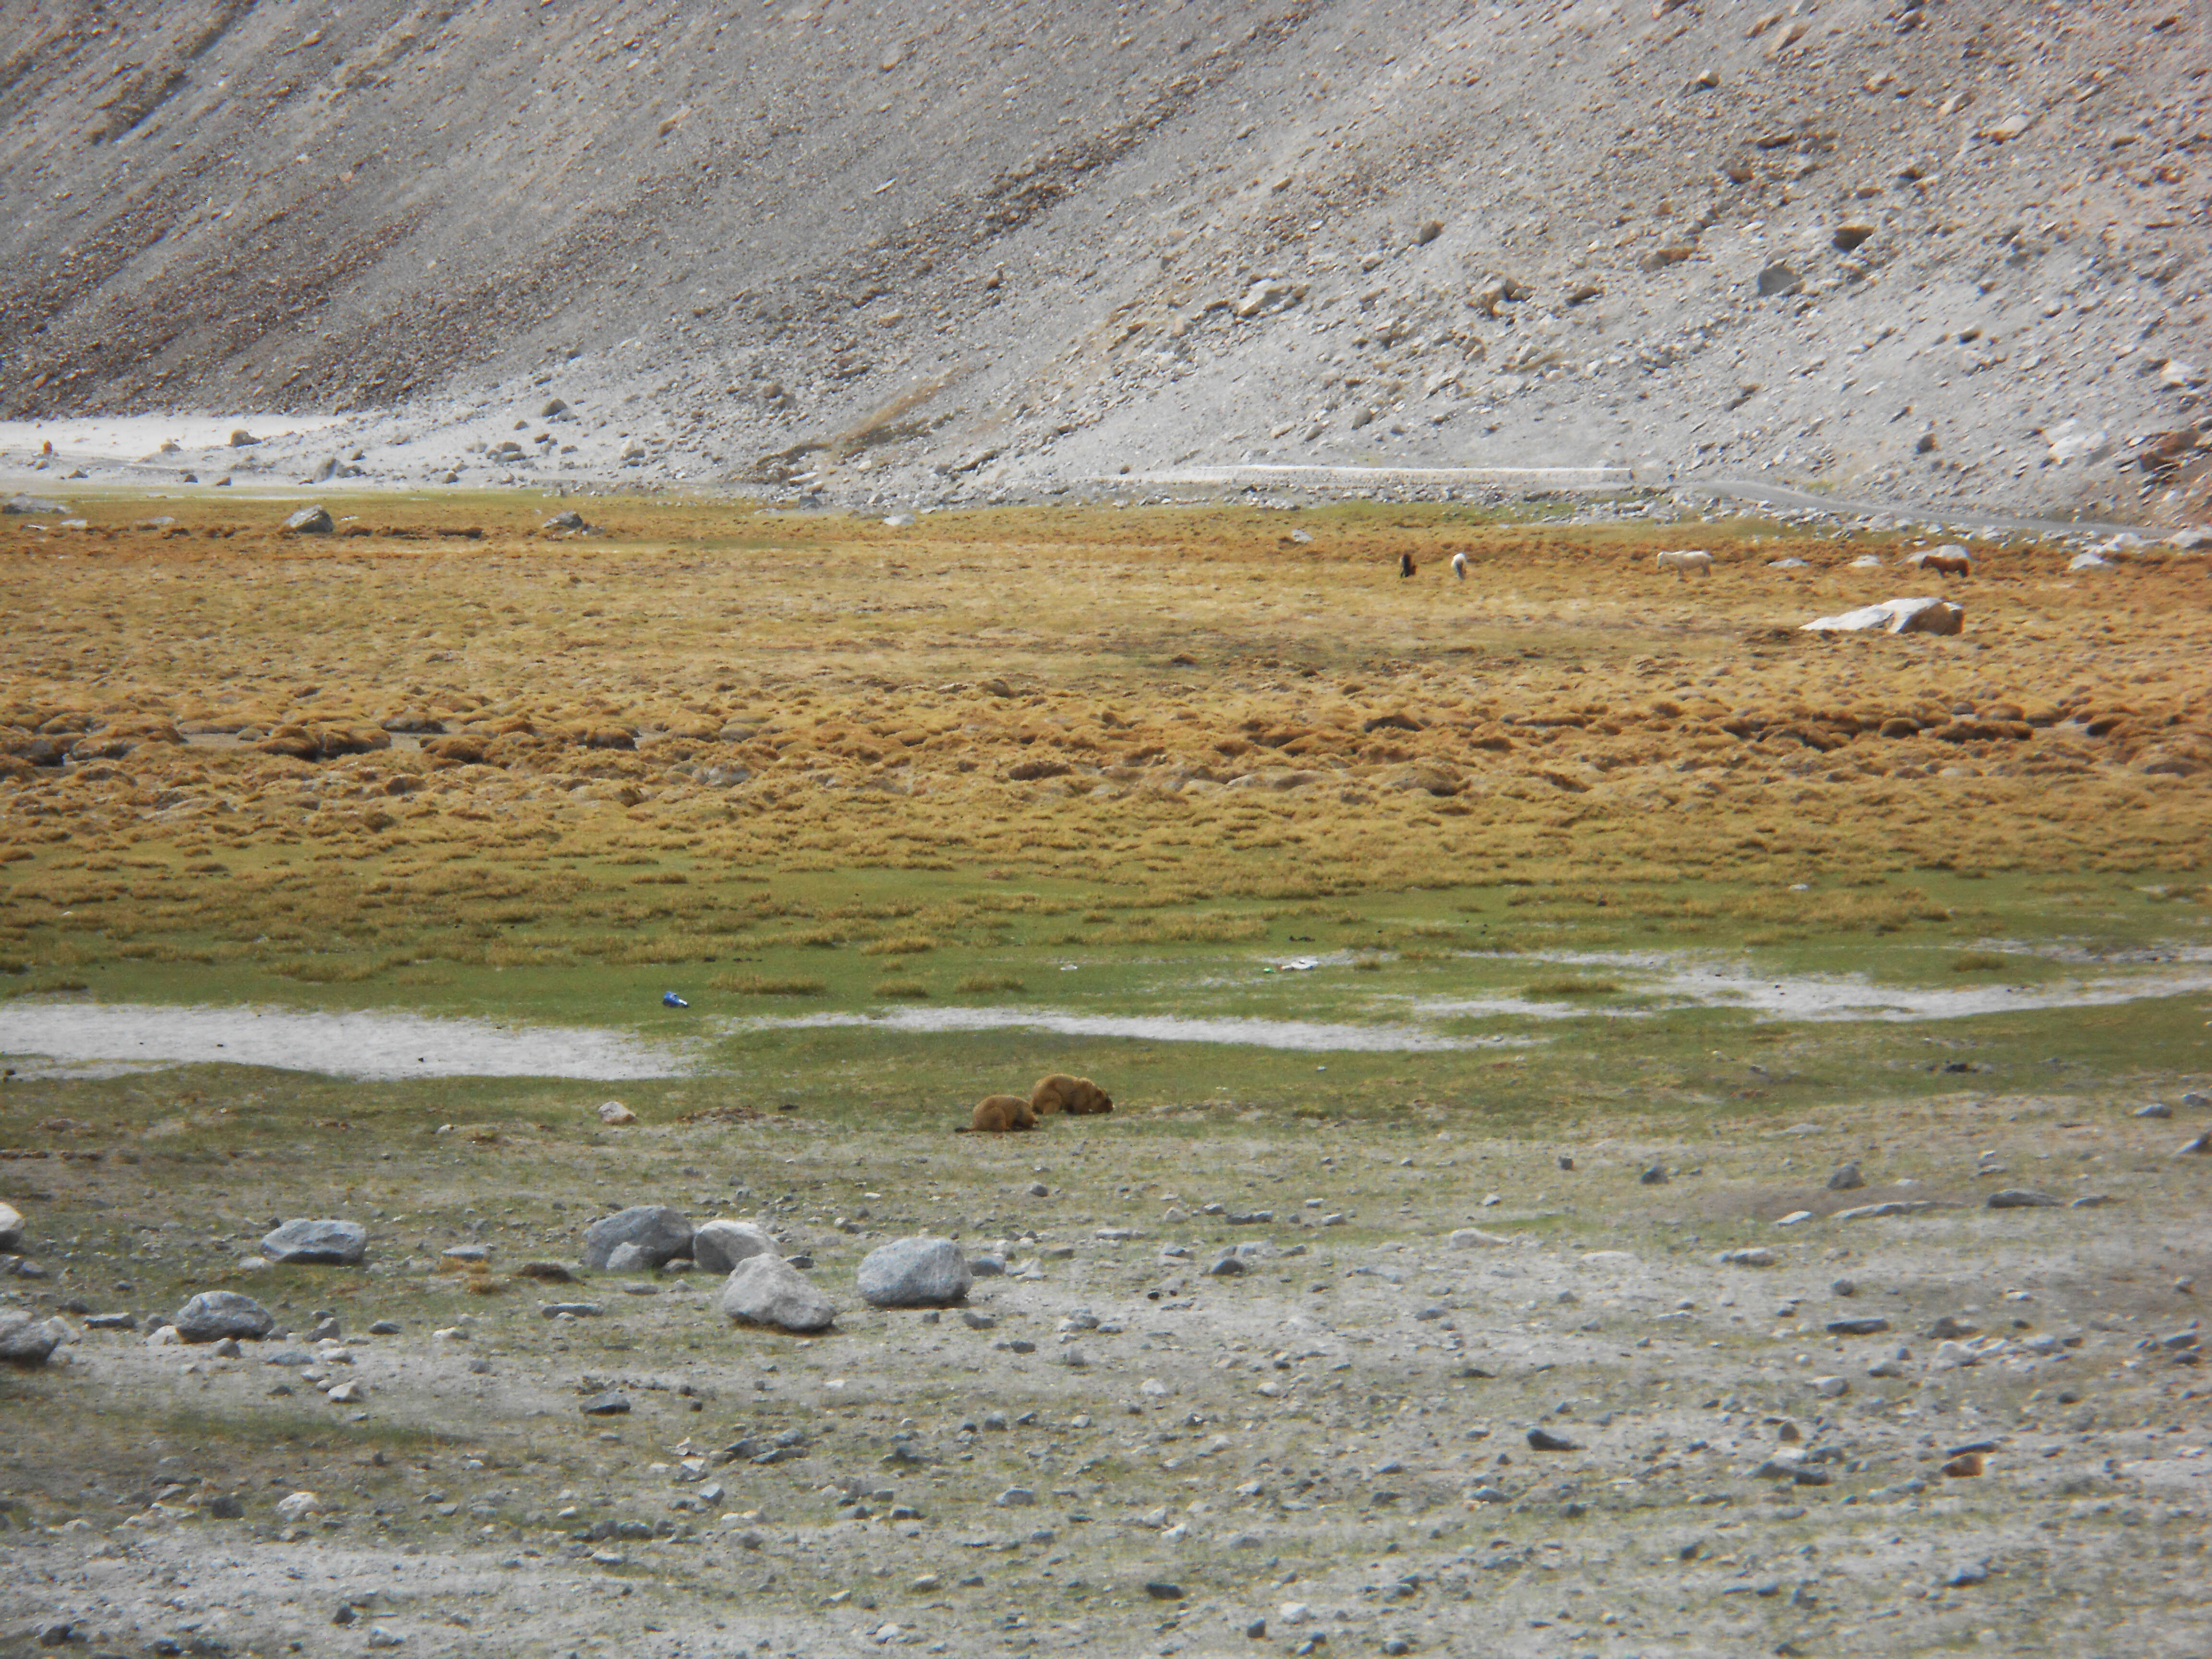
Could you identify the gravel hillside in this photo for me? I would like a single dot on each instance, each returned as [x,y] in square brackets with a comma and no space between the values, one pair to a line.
[1951,253]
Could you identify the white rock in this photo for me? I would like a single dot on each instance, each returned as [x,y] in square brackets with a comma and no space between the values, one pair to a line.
[614,1113]
[766,1290]
[323,1243]
[914,1272]
[2070,441]
[298,1505]
[1469,1238]
[1914,616]
[1831,1388]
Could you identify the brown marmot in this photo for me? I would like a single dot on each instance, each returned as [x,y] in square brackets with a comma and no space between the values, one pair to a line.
[997,1114]
[1077,1096]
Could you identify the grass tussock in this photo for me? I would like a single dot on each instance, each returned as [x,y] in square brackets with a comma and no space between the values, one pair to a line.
[1567,986]
[899,945]
[329,971]
[765,984]
[906,990]
[989,984]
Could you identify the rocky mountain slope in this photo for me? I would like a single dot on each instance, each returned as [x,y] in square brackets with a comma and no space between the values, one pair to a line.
[1945,252]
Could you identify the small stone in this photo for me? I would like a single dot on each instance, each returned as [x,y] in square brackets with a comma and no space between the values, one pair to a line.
[1845,1287]
[2019,1197]
[241,439]
[213,1315]
[2197,1147]
[1654,1176]
[1831,1388]
[1795,1219]
[1468,1239]
[1038,1189]
[914,1272]
[615,1115]
[1865,1325]
[1545,1440]
[318,1243]
[1964,1467]
[1230,1267]
[570,520]
[1758,1256]
[2156,1109]
[1161,1591]
[1846,1179]
[2196,1100]
[345,1393]
[311,521]
[380,1637]
[1015,1498]
[610,1404]
[385,1328]
[1257,1630]
[11,1227]
[1778,278]
[300,1504]
[1967,1578]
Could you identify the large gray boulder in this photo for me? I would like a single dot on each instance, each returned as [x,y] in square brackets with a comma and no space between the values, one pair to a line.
[766,1290]
[659,1233]
[28,1341]
[718,1246]
[318,1243]
[914,1273]
[213,1315]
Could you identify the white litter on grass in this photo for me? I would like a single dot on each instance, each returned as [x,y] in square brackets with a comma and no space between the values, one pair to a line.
[1312,1037]
[368,1046]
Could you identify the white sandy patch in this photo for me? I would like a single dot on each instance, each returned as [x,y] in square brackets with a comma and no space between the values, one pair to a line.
[108,439]
[1813,997]
[368,1046]
[1311,1036]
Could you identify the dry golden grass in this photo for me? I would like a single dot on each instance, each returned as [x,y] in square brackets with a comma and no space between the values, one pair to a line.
[531,752]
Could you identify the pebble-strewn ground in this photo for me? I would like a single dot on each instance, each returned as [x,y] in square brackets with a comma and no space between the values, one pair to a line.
[1335,1441]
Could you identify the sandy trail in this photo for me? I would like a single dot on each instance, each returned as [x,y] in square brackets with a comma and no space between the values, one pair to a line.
[363,1045]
